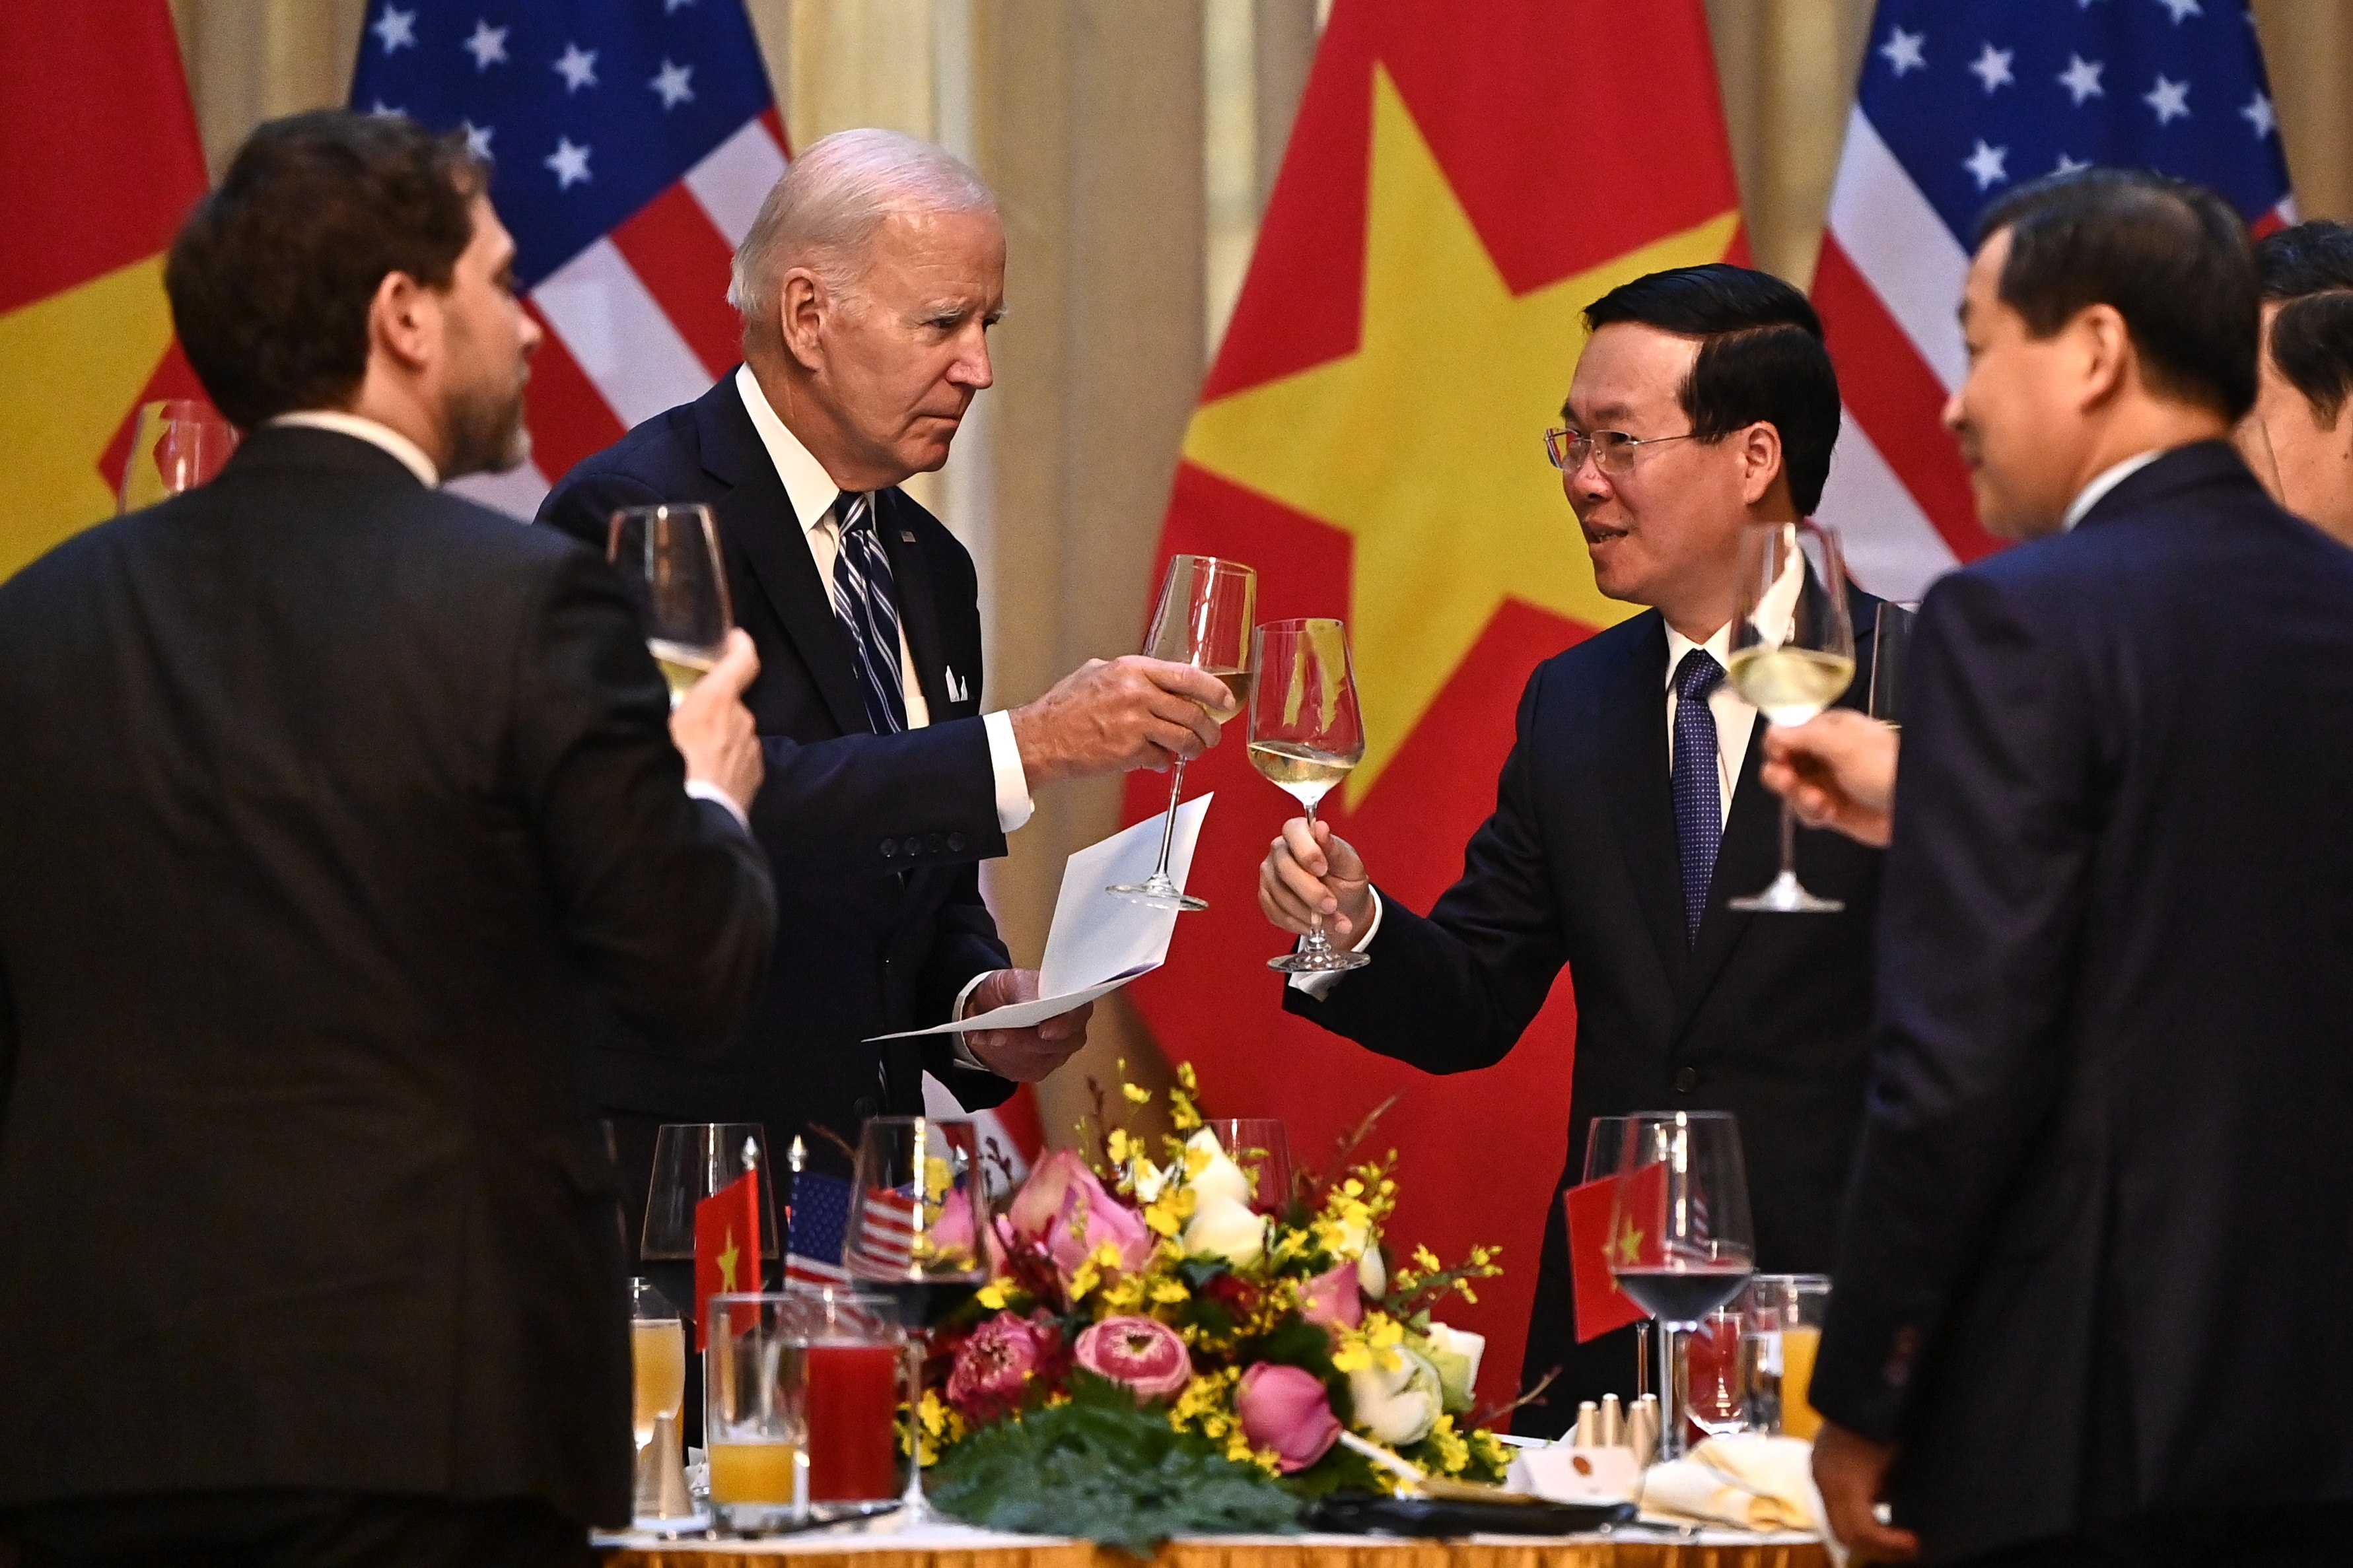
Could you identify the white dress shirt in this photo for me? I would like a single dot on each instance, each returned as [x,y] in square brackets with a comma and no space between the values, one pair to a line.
[428,474]
[813,494]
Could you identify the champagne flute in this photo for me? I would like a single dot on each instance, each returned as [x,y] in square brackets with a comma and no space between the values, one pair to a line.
[1681,1215]
[1891,645]
[675,576]
[919,1208]
[657,1357]
[1203,619]
[1305,734]
[177,445]
[1792,654]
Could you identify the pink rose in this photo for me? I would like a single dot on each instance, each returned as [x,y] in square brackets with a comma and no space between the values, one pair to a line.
[994,1366]
[1333,1297]
[952,1230]
[1064,1206]
[1286,1409]
[1148,1356]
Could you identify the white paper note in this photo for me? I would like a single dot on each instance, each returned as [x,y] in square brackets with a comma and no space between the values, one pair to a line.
[1099,942]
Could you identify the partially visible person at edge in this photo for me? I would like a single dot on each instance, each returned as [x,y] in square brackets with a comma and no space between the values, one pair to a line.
[2092,1268]
[1629,811]
[324,797]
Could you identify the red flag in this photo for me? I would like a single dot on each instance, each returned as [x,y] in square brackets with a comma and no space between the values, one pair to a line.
[1463,182]
[726,1247]
[98,163]
[1604,1232]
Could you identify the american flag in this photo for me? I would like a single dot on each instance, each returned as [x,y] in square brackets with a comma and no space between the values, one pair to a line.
[1961,101]
[816,1222]
[632,142]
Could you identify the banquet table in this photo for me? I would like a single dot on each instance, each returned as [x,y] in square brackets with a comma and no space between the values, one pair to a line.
[954,1546]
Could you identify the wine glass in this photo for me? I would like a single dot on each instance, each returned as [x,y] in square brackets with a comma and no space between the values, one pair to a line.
[1305,734]
[1683,1246]
[1203,620]
[177,445]
[693,1160]
[675,576]
[1792,654]
[1891,645]
[1714,1387]
[1257,1144]
[1605,1147]
[918,1206]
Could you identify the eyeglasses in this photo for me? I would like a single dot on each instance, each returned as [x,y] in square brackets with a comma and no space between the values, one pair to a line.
[1612,450]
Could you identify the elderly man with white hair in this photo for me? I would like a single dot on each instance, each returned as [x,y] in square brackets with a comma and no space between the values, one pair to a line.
[867,286]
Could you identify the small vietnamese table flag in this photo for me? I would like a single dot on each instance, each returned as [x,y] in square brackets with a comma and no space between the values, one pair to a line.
[1604,1232]
[726,1243]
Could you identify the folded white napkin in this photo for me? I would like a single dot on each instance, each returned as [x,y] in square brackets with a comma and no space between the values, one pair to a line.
[1751,1481]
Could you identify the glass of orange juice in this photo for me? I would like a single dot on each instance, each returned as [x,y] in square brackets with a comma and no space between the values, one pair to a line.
[755,1411]
[1784,1331]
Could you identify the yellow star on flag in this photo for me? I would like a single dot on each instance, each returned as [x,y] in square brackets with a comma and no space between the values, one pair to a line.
[1423,445]
[1629,1244]
[727,1259]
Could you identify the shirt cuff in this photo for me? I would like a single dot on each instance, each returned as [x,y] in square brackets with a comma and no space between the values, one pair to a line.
[1014,805]
[963,1047]
[1320,986]
[703,789]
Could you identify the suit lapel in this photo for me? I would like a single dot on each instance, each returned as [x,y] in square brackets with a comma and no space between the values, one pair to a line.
[1749,854]
[1634,742]
[911,574]
[760,531]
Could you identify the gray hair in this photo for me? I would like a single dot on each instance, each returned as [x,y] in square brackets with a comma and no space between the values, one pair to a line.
[826,209]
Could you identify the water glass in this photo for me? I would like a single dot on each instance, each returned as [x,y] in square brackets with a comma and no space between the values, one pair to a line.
[755,1410]
[1785,1314]
[850,1342]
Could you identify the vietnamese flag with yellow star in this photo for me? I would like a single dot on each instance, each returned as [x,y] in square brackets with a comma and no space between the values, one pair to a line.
[98,163]
[1460,183]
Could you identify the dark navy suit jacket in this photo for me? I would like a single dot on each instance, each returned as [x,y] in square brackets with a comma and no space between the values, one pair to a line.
[875,840]
[2099,1249]
[1764,1016]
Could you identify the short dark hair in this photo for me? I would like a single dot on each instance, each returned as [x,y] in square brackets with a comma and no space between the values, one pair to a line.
[2308,270]
[2171,258]
[1761,360]
[271,275]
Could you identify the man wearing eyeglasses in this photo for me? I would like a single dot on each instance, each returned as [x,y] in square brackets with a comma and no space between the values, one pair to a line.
[1629,810]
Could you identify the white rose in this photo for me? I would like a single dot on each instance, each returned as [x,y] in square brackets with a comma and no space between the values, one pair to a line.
[1220,1228]
[1220,1178]
[1146,1180]
[1373,1274]
[1455,1353]
[1399,1406]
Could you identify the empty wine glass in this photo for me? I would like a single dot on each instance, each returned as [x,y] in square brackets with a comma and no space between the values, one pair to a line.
[1203,619]
[1891,646]
[1682,1244]
[177,445]
[1792,655]
[1307,734]
[673,570]
[919,1207]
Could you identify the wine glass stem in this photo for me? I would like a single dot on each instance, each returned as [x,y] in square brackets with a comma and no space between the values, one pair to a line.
[913,1508]
[1317,943]
[1168,822]
[1670,1383]
[1788,840]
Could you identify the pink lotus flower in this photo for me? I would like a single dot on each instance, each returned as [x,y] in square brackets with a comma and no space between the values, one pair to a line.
[994,1366]
[1333,1297]
[1146,1357]
[952,1230]
[1063,1206]
[1286,1409]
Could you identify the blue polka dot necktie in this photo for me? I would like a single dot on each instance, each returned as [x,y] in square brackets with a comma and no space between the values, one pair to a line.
[1699,797]
[865,600]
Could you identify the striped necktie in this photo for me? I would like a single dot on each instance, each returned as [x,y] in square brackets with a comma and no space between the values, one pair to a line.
[866,602]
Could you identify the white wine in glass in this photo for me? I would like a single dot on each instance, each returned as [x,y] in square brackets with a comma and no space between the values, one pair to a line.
[671,568]
[1793,656]
[1203,619]
[1306,734]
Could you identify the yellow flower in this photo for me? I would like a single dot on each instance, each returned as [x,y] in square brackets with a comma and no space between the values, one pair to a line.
[1425,1259]
[991,1296]
[1136,1094]
[1169,1291]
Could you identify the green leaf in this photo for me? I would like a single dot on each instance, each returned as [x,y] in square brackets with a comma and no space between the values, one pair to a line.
[1102,1468]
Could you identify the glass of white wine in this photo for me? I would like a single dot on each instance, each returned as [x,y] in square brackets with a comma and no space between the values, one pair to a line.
[1792,655]
[1307,734]
[1203,620]
[673,573]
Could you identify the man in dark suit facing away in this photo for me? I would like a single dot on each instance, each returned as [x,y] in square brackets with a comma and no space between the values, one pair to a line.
[324,797]
[2093,1274]
[1629,811]
[867,286]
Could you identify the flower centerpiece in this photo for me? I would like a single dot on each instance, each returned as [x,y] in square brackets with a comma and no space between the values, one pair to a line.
[1152,1288]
